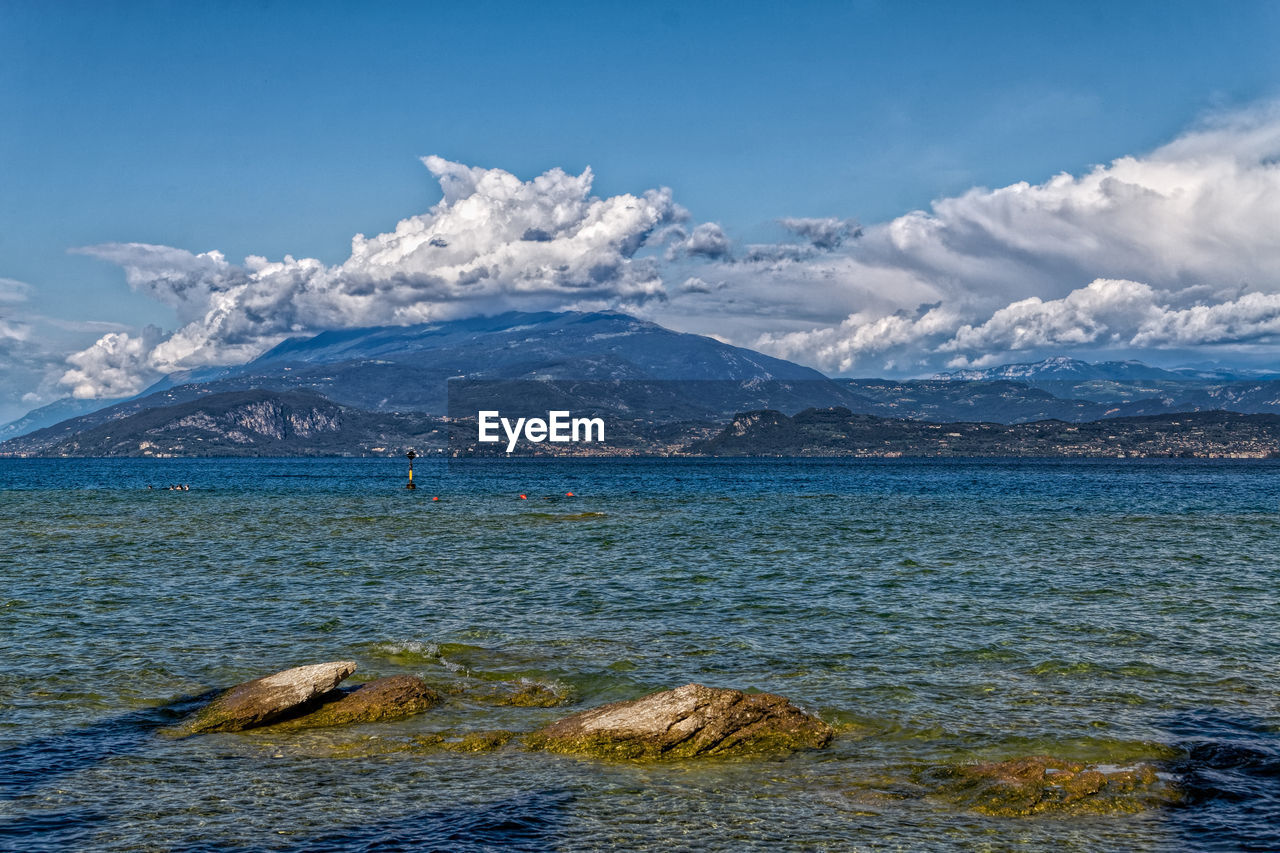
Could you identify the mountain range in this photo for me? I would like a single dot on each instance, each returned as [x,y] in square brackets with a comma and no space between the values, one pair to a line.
[1063,369]
[383,388]
[839,432]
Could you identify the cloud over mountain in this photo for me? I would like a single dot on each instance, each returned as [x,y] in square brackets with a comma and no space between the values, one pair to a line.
[491,243]
[1175,249]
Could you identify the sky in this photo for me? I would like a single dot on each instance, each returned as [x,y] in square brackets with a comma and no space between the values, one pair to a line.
[869,188]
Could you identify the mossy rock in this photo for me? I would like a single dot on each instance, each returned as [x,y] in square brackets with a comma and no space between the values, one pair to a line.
[391,698]
[480,741]
[1044,784]
[486,741]
[428,742]
[687,722]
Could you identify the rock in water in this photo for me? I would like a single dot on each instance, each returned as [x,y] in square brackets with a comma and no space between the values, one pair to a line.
[689,721]
[1041,783]
[264,700]
[385,699]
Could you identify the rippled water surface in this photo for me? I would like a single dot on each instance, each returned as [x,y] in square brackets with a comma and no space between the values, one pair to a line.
[936,613]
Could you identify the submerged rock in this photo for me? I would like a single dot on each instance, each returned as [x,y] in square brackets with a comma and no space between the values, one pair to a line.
[265,700]
[480,741]
[689,721]
[391,698]
[537,695]
[1041,783]
[486,741]
[526,694]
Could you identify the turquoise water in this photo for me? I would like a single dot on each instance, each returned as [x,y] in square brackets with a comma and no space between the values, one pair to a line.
[937,613]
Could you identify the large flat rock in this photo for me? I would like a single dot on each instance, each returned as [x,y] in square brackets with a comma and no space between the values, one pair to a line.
[265,700]
[689,721]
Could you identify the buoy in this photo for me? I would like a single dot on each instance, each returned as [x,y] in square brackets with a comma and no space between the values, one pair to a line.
[435,498]
[568,494]
[524,497]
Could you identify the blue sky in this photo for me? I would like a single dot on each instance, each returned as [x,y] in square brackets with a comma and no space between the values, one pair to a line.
[279,128]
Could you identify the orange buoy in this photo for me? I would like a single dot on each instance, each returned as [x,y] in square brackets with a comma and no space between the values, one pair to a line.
[524,497]
[568,494]
[435,498]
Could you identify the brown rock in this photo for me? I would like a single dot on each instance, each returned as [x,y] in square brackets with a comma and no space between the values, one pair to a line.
[689,721]
[389,698]
[1041,783]
[265,700]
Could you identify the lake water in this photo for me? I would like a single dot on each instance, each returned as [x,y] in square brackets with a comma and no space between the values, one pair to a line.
[937,613]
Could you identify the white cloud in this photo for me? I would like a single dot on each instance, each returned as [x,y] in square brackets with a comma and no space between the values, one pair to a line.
[707,240]
[1176,248]
[1113,314]
[493,242]
[1254,317]
[117,365]
[1107,311]
[1182,247]
[841,347]
[1119,314]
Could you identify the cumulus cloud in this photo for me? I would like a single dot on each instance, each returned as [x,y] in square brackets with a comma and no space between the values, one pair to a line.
[1107,310]
[493,242]
[841,347]
[1175,248]
[1254,317]
[1204,208]
[707,240]
[1178,247]
[1117,313]
[117,365]
[1113,314]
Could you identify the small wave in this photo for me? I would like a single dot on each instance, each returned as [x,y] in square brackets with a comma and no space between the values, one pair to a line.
[570,516]
[410,651]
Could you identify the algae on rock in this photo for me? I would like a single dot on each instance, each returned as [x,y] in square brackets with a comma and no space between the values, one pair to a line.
[391,698]
[1041,783]
[689,721]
